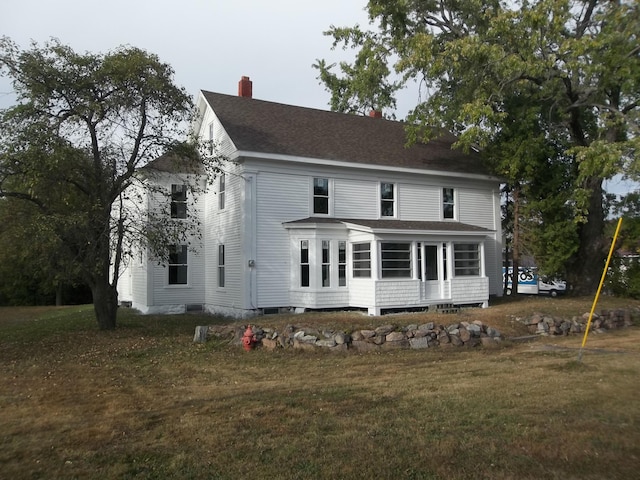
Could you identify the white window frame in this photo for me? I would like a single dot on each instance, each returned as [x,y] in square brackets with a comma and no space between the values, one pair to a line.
[305,264]
[221,266]
[357,268]
[342,263]
[328,197]
[178,199]
[451,204]
[325,263]
[389,267]
[222,188]
[393,200]
[175,265]
[465,264]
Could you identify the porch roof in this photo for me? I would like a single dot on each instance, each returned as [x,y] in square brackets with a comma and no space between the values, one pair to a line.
[391,225]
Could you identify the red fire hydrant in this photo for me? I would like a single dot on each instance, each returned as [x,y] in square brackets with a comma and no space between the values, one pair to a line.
[248,339]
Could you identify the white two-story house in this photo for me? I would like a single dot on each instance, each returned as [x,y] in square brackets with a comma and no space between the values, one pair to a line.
[322,210]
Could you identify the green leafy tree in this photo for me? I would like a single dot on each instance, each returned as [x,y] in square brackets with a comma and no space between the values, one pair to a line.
[567,70]
[73,146]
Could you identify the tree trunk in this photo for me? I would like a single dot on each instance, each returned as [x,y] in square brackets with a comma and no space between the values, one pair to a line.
[586,271]
[105,304]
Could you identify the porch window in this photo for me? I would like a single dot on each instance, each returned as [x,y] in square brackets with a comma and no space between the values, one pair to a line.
[342,264]
[448,203]
[222,186]
[396,260]
[326,264]
[221,266]
[466,259]
[178,201]
[304,263]
[387,199]
[321,195]
[177,265]
[362,260]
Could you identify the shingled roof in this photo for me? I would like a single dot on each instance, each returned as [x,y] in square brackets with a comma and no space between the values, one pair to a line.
[274,128]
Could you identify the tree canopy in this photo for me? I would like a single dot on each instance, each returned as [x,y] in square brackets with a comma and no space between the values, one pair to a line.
[72,148]
[548,89]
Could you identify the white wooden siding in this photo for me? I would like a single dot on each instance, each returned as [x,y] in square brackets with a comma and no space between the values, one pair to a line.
[355,198]
[281,197]
[476,207]
[419,202]
[225,227]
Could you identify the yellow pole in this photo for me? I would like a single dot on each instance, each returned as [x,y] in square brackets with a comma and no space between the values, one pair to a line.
[595,300]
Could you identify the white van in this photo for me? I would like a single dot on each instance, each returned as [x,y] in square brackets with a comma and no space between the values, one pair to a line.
[529,282]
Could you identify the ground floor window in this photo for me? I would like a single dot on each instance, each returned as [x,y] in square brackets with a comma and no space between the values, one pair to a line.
[221,265]
[342,264]
[362,260]
[326,263]
[466,259]
[178,265]
[304,263]
[396,260]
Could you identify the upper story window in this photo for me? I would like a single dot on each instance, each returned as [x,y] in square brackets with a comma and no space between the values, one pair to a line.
[210,143]
[178,201]
[387,200]
[222,185]
[178,265]
[321,196]
[448,203]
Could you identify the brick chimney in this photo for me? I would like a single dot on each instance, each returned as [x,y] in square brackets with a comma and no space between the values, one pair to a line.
[375,114]
[245,87]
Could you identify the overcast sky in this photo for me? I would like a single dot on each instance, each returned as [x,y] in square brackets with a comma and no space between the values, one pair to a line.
[209,43]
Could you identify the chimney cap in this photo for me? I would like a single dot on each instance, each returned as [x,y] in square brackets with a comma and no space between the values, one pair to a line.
[375,113]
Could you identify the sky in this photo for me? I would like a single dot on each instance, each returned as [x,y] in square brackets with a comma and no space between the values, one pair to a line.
[209,43]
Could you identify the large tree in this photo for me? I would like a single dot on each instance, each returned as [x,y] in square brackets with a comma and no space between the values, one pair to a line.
[72,148]
[566,70]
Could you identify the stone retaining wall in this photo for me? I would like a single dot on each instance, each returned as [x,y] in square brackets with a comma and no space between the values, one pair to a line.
[427,335]
[543,324]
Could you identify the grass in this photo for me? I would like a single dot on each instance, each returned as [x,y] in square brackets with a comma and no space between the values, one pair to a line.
[145,402]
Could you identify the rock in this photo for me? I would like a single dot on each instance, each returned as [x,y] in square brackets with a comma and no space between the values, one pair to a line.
[269,344]
[298,345]
[404,343]
[493,333]
[419,343]
[464,335]
[368,333]
[395,337]
[488,342]
[338,348]
[384,329]
[308,339]
[326,342]
[357,336]
[426,326]
[377,340]
[341,338]
[201,333]
[420,333]
[444,338]
[456,341]
[474,329]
